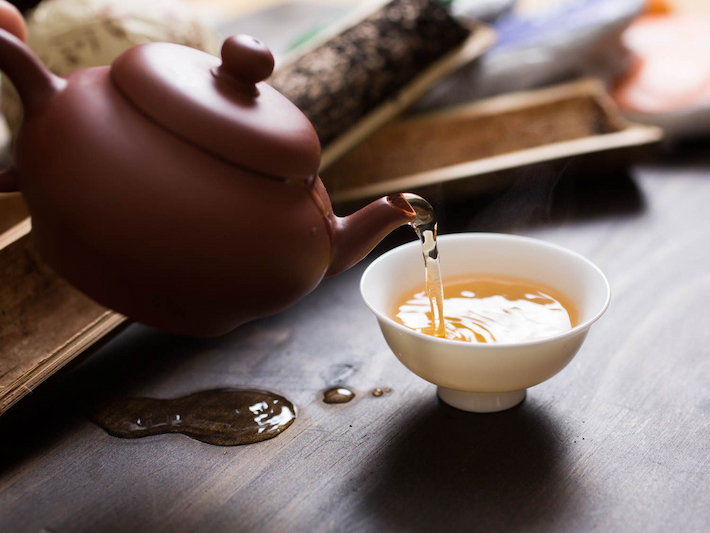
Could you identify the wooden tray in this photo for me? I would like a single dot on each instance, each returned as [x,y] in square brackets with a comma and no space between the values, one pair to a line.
[44,322]
[474,147]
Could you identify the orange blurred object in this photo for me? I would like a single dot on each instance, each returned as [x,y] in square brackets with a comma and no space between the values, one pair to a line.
[658,7]
[672,67]
[12,20]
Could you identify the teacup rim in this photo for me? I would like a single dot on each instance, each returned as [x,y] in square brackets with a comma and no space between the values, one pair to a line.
[582,326]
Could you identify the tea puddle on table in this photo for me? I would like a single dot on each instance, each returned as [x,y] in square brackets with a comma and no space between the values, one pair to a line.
[426,228]
[338,395]
[223,417]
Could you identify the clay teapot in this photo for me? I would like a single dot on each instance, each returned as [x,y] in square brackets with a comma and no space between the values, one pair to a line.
[177,188]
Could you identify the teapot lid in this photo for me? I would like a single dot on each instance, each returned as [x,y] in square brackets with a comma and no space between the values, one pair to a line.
[221,106]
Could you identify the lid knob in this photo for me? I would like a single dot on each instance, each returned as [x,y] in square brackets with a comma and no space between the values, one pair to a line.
[246,59]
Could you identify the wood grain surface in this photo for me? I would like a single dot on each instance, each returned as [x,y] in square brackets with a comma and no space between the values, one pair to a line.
[618,441]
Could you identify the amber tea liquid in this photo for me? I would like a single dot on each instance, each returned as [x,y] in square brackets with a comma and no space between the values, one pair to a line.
[490,308]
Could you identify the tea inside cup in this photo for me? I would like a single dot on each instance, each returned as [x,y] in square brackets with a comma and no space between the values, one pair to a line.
[485,377]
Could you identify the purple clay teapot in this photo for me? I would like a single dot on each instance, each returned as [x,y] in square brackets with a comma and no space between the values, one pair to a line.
[178,189]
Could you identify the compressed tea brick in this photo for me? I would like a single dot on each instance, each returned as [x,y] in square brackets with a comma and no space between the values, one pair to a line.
[342,80]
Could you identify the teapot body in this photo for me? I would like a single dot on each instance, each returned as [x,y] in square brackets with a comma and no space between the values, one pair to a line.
[157,228]
[178,190]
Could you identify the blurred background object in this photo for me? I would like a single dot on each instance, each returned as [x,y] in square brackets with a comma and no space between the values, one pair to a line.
[484,10]
[669,82]
[68,35]
[25,5]
[287,25]
[552,42]
[11,19]
[283,26]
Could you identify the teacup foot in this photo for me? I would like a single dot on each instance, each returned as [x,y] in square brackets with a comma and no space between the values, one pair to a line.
[481,402]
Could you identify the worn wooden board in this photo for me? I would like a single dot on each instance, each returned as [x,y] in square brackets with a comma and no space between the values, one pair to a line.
[618,441]
[45,323]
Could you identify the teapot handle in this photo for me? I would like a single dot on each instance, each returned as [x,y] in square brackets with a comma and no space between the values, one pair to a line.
[8,180]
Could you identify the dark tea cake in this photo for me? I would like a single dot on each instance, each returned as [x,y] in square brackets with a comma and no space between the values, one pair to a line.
[343,79]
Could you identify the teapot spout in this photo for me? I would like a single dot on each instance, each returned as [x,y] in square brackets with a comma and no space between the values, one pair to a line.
[356,235]
[34,83]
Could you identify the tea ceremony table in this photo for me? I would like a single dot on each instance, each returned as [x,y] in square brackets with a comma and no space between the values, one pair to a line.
[618,441]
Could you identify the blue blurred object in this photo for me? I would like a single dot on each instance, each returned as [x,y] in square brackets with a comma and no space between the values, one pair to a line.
[568,40]
[573,18]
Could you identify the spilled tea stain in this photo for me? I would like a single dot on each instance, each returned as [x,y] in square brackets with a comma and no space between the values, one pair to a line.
[224,417]
[338,395]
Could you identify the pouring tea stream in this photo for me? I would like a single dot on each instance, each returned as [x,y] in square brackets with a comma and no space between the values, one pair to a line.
[426,227]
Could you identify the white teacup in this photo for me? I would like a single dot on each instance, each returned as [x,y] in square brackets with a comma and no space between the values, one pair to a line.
[485,377]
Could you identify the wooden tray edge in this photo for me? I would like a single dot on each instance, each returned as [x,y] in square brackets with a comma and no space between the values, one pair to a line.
[636,135]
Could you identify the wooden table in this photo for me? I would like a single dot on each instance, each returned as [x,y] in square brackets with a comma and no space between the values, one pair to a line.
[619,441]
